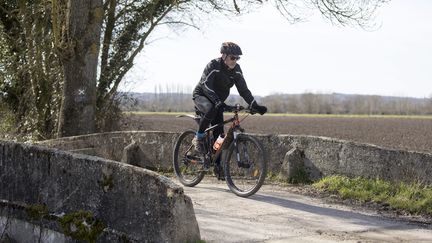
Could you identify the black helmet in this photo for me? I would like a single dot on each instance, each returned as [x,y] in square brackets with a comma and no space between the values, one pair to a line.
[230,48]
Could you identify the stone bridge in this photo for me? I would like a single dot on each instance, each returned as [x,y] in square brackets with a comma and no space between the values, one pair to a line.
[64,194]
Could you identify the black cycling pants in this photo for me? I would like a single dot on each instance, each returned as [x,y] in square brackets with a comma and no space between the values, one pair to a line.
[211,115]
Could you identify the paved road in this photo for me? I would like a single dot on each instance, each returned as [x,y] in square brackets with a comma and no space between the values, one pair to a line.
[276,215]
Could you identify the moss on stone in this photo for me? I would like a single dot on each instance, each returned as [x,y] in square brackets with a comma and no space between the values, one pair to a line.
[81,225]
[300,177]
[107,182]
[165,172]
[272,176]
[124,239]
[37,211]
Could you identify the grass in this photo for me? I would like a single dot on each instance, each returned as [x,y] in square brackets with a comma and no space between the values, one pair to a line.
[413,198]
[295,115]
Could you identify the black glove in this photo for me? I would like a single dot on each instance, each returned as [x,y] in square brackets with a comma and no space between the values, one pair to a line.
[260,108]
[220,105]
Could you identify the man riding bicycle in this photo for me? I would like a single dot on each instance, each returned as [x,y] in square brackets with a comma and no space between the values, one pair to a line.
[212,90]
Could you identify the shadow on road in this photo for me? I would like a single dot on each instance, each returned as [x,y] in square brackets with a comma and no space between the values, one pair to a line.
[214,189]
[353,217]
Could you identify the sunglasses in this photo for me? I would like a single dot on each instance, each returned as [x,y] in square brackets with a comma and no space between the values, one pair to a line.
[234,58]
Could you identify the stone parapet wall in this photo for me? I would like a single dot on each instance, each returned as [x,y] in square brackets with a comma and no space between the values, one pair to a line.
[325,156]
[43,187]
[158,146]
[321,156]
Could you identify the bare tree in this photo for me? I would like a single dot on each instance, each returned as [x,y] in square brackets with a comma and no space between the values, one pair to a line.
[349,11]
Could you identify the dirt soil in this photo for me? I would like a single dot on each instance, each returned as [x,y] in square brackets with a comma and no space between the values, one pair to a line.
[414,134]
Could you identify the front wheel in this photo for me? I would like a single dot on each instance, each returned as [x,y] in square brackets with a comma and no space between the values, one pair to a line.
[187,164]
[245,165]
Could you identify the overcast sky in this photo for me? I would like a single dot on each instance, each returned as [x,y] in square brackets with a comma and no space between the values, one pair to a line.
[313,56]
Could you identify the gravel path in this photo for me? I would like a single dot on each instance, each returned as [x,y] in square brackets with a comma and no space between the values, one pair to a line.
[275,214]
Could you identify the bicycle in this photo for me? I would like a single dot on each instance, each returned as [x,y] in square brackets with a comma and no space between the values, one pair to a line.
[243,157]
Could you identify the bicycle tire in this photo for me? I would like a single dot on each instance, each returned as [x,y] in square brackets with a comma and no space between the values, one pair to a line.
[251,172]
[188,169]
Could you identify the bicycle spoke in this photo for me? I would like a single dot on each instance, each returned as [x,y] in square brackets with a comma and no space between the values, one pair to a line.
[187,165]
[246,166]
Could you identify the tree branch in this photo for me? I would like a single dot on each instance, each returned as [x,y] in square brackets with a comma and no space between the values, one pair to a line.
[110,24]
[129,62]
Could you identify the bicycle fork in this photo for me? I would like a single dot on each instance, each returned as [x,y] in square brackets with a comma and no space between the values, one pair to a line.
[240,163]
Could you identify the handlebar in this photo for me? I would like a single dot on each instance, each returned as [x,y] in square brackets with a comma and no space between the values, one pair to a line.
[237,108]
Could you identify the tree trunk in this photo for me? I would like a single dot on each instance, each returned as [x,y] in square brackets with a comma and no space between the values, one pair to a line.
[83,30]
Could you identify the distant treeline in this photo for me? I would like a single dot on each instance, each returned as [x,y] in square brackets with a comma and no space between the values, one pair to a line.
[307,103]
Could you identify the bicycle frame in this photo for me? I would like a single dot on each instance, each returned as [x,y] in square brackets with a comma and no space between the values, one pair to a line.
[230,136]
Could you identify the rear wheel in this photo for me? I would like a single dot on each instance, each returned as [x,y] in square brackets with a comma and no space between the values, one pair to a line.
[245,165]
[187,164]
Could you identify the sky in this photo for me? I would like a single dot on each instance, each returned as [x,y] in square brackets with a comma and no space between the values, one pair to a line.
[312,56]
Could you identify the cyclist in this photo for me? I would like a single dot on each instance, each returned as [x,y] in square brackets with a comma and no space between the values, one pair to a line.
[212,90]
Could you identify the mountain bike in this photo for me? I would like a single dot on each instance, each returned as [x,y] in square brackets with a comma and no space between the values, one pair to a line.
[242,157]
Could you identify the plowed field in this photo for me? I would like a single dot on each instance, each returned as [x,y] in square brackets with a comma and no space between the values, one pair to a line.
[407,133]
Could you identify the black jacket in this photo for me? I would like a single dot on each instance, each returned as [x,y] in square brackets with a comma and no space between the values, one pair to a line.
[216,82]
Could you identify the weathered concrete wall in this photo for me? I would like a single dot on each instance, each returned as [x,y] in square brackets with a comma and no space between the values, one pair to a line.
[325,156]
[158,146]
[322,156]
[132,203]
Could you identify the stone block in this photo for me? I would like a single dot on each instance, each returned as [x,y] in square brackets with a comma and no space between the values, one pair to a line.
[134,155]
[133,202]
[293,164]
